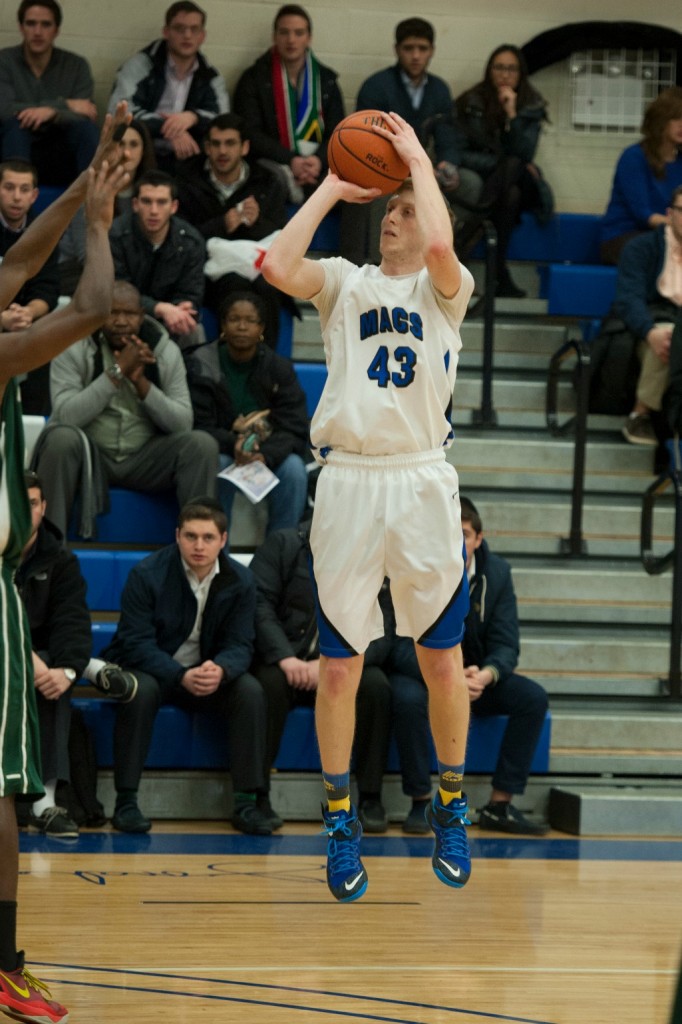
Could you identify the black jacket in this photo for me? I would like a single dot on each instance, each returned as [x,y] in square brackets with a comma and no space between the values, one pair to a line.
[491,639]
[53,591]
[254,100]
[204,207]
[275,386]
[158,610]
[43,285]
[481,147]
[172,273]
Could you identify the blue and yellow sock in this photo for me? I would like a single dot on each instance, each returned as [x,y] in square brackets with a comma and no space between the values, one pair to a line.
[337,790]
[450,782]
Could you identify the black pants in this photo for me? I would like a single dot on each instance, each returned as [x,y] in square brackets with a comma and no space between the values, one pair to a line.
[240,703]
[372,726]
[508,190]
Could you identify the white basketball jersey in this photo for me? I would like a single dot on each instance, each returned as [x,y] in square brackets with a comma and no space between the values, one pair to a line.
[391,345]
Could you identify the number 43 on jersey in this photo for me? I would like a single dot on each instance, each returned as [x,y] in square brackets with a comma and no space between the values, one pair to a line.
[378,369]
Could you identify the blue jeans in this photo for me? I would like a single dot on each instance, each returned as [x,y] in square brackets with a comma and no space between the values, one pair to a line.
[286,501]
[80,136]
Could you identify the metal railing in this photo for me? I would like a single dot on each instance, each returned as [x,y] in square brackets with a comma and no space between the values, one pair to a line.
[573,545]
[486,415]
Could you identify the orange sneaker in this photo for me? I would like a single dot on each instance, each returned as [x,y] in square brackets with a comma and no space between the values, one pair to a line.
[23,997]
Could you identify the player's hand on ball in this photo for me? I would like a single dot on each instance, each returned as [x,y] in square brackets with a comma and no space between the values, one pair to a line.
[349,192]
[403,137]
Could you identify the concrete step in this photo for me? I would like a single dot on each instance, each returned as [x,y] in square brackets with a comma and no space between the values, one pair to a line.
[591,592]
[611,810]
[534,461]
[529,523]
[618,730]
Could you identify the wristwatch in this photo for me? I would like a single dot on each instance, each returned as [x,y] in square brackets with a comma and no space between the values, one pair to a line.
[115,374]
[70,674]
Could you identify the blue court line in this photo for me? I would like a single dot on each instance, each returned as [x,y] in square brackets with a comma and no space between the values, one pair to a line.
[231,844]
[275,988]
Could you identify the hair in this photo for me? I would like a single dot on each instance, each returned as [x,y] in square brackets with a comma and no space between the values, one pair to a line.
[204,507]
[242,296]
[19,166]
[224,121]
[32,480]
[184,7]
[416,27]
[470,514]
[51,5]
[493,111]
[289,10]
[156,179]
[666,107]
[148,161]
[132,290]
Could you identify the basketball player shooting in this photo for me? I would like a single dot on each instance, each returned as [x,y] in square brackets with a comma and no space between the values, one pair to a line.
[22,997]
[387,502]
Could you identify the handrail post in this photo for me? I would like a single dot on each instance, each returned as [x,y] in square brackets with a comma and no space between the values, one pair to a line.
[486,415]
[674,682]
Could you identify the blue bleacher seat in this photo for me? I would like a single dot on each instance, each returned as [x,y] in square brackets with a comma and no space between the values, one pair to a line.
[578,289]
[46,195]
[102,635]
[135,517]
[313,377]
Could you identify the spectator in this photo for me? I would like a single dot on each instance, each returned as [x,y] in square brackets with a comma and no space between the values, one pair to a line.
[138,158]
[46,95]
[648,300]
[491,649]
[161,255]
[171,87]
[121,405]
[39,295]
[646,174]
[52,588]
[499,122]
[18,193]
[424,100]
[223,196]
[186,631]
[291,103]
[236,375]
[288,663]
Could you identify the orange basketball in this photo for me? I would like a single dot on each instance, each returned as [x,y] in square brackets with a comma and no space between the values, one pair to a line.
[358,154]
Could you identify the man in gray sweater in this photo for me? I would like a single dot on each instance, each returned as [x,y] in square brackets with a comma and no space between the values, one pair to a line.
[121,408]
[46,95]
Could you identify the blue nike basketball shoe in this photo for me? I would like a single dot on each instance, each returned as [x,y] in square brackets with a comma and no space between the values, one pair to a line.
[451,859]
[346,877]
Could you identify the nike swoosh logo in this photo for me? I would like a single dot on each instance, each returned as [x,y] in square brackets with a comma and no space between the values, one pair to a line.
[455,872]
[20,991]
[351,885]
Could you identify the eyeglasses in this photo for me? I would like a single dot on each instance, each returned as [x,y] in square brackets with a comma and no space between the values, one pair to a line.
[193,30]
[510,69]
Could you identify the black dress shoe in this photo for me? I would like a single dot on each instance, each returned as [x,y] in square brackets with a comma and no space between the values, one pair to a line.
[129,818]
[265,807]
[506,289]
[372,816]
[249,818]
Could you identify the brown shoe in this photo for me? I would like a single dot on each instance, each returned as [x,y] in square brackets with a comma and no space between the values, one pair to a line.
[637,429]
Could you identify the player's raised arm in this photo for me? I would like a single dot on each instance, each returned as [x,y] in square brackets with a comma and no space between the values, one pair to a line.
[28,254]
[24,350]
[285,265]
[432,213]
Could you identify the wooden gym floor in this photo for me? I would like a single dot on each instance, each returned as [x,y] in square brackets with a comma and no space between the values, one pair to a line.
[194,922]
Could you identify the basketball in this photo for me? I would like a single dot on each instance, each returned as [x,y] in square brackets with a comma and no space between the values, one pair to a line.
[357,154]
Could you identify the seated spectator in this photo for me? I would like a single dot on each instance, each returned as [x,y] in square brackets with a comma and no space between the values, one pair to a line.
[138,158]
[291,104]
[646,174]
[236,375]
[46,106]
[121,414]
[648,300]
[186,630]
[171,87]
[491,649]
[52,588]
[424,101]
[163,256]
[498,123]
[39,295]
[223,196]
[288,662]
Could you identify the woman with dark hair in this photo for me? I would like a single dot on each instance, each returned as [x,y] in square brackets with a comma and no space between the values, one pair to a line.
[138,157]
[498,123]
[647,173]
[249,399]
